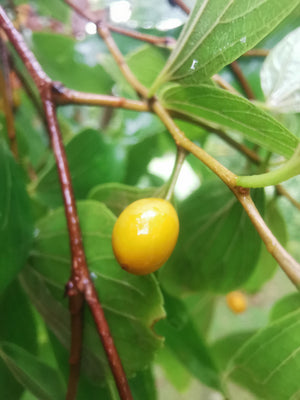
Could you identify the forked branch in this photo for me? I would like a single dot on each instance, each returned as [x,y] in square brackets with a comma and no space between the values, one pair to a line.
[80,286]
[284,259]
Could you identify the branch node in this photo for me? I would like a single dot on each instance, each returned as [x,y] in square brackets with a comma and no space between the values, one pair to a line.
[57,87]
[242,190]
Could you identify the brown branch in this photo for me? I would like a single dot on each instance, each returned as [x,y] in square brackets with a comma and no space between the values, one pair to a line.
[236,69]
[224,84]
[168,42]
[283,192]
[6,89]
[256,53]
[241,148]
[181,5]
[80,284]
[76,305]
[63,96]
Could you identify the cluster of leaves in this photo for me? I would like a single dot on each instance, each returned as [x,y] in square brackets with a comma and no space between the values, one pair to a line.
[109,153]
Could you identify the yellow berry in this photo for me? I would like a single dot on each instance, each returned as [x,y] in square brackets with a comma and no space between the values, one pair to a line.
[145,235]
[236,301]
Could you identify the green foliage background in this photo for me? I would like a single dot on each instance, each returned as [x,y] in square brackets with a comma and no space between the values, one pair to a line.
[175,334]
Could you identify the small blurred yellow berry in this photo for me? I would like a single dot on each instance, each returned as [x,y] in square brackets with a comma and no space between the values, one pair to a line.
[145,235]
[236,301]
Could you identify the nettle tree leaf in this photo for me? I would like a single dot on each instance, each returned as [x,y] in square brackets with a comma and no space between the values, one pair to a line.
[284,306]
[267,265]
[146,63]
[117,196]
[132,304]
[40,379]
[220,109]
[217,33]
[15,218]
[268,364]
[280,75]
[192,352]
[62,61]
[92,160]
[15,311]
[218,247]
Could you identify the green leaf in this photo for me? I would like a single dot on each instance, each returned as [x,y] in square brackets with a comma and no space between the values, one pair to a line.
[224,348]
[143,385]
[217,248]
[186,344]
[62,61]
[280,75]
[147,62]
[15,218]
[201,309]
[284,306]
[174,370]
[267,265]
[139,157]
[40,379]
[218,32]
[131,303]
[117,196]
[91,161]
[220,109]
[268,364]
[15,311]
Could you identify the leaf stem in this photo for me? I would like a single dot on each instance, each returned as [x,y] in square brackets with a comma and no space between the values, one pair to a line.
[290,169]
[288,264]
[180,157]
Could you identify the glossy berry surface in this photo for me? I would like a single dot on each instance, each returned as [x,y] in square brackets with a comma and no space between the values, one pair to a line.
[145,235]
[236,301]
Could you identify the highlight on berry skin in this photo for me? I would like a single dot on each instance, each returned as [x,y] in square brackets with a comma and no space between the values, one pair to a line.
[144,235]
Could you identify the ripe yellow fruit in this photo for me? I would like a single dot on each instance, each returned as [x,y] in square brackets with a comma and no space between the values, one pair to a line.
[145,235]
[236,301]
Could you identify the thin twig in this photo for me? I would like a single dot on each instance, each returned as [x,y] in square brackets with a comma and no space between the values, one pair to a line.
[181,5]
[236,69]
[6,89]
[80,283]
[283,192]
[241,148]
[164,41]
[180,157]
[224,84]
[256,53]
[63,96]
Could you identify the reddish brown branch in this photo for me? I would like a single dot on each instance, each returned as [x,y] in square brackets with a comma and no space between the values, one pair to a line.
[76,305]
[144,37]
[181,5]
[236,69]
[6,89]
[80,284]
